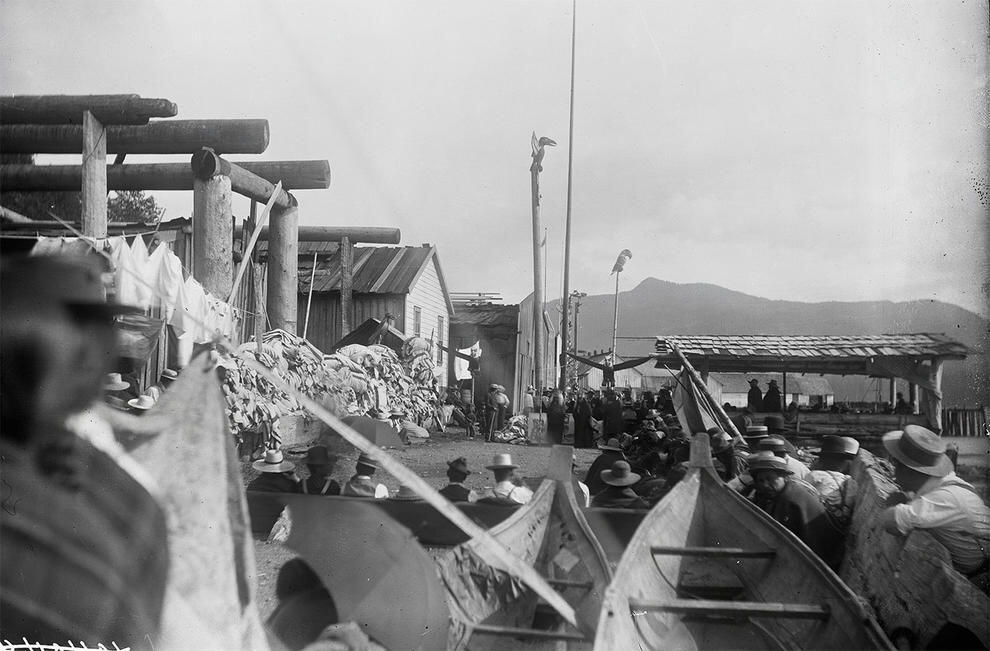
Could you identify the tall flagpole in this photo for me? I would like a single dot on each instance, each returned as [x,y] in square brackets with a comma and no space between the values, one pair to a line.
[564,319]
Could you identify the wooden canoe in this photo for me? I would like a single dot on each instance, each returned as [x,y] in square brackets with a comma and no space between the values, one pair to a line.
[492,610]
[708,570]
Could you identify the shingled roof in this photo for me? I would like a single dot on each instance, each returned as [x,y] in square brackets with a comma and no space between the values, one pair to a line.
[376,270]
[797,353]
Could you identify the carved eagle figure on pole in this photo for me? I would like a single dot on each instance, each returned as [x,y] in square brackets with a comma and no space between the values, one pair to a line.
[621,261]
[538,151]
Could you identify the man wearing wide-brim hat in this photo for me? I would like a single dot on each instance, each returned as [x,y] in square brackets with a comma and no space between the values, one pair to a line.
[936,500]
[618,492]
[611,452]
[505,488]
[794,504]
[781,448]
[457,473]
[830,477]
[278,475]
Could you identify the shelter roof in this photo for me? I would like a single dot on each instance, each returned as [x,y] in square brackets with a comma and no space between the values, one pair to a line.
[840,354]
[487,315]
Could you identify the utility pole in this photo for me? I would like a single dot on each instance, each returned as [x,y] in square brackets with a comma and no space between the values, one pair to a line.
[538,343]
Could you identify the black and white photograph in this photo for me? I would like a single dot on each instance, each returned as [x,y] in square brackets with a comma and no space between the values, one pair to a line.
[449,325]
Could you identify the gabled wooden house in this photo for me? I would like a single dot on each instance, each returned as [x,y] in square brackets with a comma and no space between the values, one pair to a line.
[403,284]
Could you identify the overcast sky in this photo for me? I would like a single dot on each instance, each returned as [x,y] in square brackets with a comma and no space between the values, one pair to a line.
[791,150]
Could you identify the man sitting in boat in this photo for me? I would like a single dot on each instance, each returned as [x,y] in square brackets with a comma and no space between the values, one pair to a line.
[779,447]
[505,489]
[618,492]
[361,484]
[830,477]
[611,452]
[794,504]
[935,499]
[457,473]
[320,481]
[730,460]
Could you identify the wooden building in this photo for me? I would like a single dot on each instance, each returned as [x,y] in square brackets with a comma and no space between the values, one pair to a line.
[404,285]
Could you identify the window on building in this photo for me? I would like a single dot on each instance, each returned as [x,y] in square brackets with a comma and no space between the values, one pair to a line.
[417,321]
[439,340]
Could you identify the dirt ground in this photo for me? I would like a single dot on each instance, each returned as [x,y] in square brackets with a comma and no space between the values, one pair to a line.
[428,458]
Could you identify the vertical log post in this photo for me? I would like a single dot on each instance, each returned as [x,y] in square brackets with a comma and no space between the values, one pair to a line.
[893,391]
[346,285]
[94,177]
[259,304]
[913,397]
[283,268]
[213,234]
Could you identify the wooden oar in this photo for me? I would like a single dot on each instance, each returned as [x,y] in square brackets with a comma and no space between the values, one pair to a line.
[485,541]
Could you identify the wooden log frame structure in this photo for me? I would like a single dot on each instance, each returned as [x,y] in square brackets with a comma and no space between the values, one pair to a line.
[245,136]
[295,175]
[68,109]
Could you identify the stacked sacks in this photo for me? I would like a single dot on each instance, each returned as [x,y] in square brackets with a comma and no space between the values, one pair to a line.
[254,403]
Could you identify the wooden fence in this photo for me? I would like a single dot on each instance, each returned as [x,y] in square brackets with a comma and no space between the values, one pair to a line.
[965,422]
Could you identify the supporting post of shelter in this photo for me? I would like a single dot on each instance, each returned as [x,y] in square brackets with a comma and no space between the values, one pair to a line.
[783,387]
[94,177]
[893,391]
[283,268]
[913,397]
[346,284]
[213,234]
[260,312]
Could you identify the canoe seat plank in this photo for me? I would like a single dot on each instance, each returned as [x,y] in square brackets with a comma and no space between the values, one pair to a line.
[732,608]
[530,633]
[708,591]
[564,583]
[714,552]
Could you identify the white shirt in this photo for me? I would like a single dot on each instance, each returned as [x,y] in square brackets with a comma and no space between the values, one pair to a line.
[954,515]
[509,491]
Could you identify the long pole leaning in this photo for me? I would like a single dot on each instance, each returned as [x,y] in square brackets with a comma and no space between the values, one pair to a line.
[615,316]
[565,317]
[490,546]
[729,426]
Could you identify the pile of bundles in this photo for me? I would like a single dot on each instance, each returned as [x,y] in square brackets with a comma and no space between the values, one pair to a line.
[254,404]
[514,432]
[381,381]
[356,379]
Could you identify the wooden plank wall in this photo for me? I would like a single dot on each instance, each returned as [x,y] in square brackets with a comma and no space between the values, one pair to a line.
[324,314]
[427,294]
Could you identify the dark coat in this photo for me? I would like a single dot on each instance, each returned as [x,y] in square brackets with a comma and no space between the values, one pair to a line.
[604,461]
[614,423]
[619,497]
[315,486]
[455,492]
[583,434]
[800,510]
[264,507]
[754,399]
[556,421]
[771,401]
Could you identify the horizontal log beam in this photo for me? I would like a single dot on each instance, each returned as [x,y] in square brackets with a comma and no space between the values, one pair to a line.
[362,234]
[206,164]
[68,109]
[156,137]
[295,175]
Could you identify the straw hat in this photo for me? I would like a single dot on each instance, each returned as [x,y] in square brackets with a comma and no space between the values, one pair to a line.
[611,444]
[170,375]
[757,432]
[115,382]
[920,449]
[772,444]
[117,403]
[142,402]
[502,460]
[318,455]
[766,460]
[273,462]
[621,474]
[365,460]
[406,494]
[843,445]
